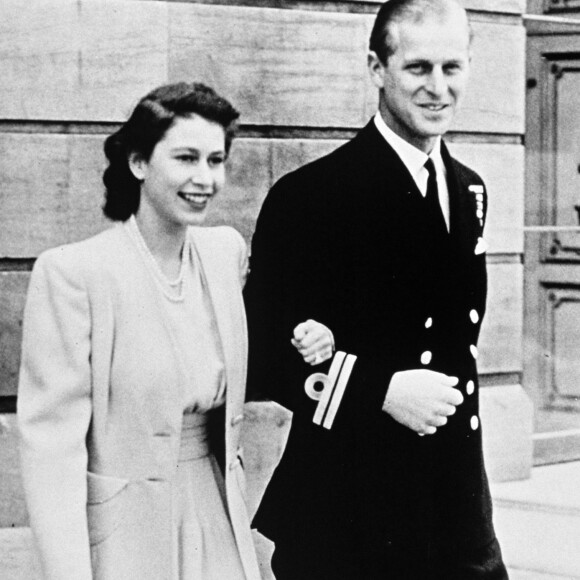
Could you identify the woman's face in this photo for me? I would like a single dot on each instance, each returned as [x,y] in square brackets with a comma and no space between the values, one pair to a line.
[184,172]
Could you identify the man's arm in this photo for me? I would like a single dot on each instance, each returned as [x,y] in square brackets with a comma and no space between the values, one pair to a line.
[366,383]
[267,308]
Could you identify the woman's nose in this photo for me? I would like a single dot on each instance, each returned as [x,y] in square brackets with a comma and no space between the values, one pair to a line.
[202,174]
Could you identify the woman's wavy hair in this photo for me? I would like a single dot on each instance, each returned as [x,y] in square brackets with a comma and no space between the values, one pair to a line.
[151,119]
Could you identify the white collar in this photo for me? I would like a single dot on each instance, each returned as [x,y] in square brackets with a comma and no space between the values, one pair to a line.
[414,159]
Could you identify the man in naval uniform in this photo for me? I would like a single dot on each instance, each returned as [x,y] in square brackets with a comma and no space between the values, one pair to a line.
[382,242]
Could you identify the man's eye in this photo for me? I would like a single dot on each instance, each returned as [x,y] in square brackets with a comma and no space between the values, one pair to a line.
[417,69]
[452,68]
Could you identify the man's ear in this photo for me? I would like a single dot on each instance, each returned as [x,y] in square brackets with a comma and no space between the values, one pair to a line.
[137,165]
[376,69]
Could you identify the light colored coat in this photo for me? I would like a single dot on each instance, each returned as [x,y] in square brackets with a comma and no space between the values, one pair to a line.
[101,402]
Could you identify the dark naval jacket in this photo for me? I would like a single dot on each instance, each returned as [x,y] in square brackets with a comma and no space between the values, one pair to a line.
[347,241]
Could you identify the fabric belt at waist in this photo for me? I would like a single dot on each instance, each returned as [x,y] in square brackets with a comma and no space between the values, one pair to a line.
[194,437]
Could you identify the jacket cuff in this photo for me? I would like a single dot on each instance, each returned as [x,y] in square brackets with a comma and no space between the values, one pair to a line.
[333,386]
[353,390]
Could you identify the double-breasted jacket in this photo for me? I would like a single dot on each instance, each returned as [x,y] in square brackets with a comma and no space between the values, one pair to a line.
[346,241]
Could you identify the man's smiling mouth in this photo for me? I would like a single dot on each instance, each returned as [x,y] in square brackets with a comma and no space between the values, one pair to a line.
[434,107]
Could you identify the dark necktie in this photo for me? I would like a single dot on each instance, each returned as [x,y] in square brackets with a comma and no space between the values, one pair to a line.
[432,197]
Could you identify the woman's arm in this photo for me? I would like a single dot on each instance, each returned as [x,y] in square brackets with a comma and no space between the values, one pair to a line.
[54,411]
[314,342]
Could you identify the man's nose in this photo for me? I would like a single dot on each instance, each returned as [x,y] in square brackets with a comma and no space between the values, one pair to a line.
[437,82]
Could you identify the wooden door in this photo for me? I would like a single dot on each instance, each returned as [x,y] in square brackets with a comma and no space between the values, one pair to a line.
[552,242]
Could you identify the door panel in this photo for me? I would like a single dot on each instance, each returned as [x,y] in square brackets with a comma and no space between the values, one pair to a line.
[564,363]
[565,203]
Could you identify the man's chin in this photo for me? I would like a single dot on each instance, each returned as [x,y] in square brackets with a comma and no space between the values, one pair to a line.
[433,129]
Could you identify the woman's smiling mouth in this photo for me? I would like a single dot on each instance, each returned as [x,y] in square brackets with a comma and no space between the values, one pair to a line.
[195,198]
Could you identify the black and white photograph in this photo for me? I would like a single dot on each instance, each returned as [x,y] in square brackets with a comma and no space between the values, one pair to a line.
[290,290]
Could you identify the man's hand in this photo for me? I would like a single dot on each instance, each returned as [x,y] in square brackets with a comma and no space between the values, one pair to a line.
[422,399]
[313,341]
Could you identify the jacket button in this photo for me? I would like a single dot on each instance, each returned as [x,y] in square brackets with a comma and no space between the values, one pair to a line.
[473,350]
[470,387]
[474,422]
[426,357]
[429,322]
[474,316]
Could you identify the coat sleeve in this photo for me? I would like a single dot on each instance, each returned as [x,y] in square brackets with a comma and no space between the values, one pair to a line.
[276,303]
[271,363]
[54,411]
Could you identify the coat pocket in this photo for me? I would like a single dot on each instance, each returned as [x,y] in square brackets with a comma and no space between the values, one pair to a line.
[105,505]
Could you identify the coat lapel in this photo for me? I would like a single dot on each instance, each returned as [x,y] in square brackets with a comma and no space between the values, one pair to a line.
[461,209]
[387,168]
[390,184]
[228,315]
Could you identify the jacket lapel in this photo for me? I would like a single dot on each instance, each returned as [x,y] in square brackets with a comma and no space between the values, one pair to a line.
[228,315]
[461,208]
[387,168]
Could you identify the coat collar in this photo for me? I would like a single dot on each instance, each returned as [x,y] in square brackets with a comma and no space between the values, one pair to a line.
[389,173]
[380,167]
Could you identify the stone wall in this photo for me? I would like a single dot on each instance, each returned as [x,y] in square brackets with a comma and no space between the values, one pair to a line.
[71,71]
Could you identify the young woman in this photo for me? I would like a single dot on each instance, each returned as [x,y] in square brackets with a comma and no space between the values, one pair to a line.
[133,366]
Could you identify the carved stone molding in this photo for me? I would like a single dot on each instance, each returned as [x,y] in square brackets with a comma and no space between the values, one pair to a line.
[562,6]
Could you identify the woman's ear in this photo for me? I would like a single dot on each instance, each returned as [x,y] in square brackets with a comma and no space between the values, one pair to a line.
[137,165]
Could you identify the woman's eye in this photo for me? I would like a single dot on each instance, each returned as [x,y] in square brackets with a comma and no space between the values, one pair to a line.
[187,158]
[216,161]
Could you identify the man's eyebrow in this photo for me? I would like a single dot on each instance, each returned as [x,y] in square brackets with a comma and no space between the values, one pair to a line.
[420,61]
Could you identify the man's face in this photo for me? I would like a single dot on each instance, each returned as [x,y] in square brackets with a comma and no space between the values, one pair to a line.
[425,78]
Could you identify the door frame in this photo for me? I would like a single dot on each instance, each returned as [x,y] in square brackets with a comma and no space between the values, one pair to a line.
[551,43]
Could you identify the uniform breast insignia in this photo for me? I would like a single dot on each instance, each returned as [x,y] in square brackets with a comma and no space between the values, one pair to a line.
[480,247]
[478,191]
[333,384]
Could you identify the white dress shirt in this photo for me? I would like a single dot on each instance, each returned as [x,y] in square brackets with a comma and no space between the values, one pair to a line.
[414,160]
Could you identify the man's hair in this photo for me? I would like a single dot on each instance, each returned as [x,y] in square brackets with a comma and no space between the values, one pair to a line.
[392,11]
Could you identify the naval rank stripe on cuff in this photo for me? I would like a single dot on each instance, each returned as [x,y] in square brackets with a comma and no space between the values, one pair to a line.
[334,385]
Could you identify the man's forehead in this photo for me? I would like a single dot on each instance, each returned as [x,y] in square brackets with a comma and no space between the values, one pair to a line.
[452,33]
[446,14]
[419,10]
